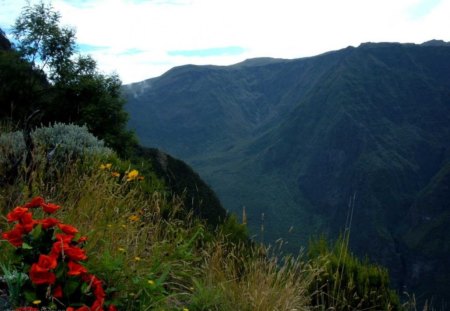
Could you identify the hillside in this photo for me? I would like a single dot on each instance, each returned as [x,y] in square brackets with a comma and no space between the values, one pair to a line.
[296,140]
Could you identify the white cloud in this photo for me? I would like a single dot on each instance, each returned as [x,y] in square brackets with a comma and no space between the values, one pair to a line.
[276,28]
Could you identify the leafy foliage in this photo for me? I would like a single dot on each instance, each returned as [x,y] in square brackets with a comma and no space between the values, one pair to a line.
[41,41]
[347,283]
[59,142]
[44,74]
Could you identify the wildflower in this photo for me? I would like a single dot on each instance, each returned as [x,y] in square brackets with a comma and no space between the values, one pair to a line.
[132,175]
[106,166]
[121,249]
[57,292]
[185,309]
[137,258]
[15,235]
[67,229]
[40,272]
[112,308]
[75,253]
[133,218]
[124,226]
[109,225]
[151,282]
[27,222]
[115,174]
[49,222]
[16,214]
[35,202]
[37,302]
[50,208]
[75,269]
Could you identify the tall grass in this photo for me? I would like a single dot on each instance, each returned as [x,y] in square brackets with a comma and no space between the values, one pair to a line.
[149,257]
[152,257]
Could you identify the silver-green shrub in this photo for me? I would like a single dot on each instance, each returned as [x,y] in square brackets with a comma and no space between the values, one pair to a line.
[68,141]
[12,146]
[57,143]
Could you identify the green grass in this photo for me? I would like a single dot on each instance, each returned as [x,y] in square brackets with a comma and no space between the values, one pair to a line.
[152,257]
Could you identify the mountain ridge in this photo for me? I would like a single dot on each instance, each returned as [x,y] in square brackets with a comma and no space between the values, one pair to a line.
[304,136]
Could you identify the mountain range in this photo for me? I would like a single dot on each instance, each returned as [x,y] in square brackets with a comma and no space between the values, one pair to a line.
[351,140]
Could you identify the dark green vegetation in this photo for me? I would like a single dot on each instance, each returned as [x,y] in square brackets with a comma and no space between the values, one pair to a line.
[157,235]
[151,254]
[43,77]
[42,81]
[296,139]
[180,179]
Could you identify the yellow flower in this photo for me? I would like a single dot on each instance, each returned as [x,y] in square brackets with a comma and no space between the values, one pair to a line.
[115,174]
[37,302]
[185,309]
[132,175]
[137,258]
[133,218]
[121,249]
[124,226]
[109,225]
[151,282]
[106,166]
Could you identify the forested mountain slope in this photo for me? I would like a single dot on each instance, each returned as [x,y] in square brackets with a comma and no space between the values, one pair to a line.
[297,140]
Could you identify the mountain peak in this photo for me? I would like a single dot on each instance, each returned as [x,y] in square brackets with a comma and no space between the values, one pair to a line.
[259,61]
[435,42]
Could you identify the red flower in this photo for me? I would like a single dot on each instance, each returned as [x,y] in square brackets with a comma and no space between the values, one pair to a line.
[57,292]
[83,308]
[97,305]
[82,239]
[39,275]
[47,262]
[27,309]
[35,202]
[66,239]
[99,292]
[49,222]
[50,208]
[75,269]
[16,213]
[57,248]
[67,229]
[112,308]
[27,221]
[15,235]
[40,272]
[74,253]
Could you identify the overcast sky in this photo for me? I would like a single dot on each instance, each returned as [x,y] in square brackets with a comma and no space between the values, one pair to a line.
[140,39]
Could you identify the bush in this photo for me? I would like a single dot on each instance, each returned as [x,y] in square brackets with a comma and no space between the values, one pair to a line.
[347,283]
[60,143]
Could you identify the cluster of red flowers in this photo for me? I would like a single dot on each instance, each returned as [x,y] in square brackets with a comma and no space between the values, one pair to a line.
[65,249]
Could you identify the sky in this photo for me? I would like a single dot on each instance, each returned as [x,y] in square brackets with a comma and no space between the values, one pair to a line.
[141,39]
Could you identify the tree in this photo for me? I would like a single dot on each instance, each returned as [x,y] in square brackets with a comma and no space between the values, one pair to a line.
[19,82]
[76,92]
[42,41]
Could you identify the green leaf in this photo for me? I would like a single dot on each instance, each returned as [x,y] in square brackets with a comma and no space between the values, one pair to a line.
[36,232]
[30,296]
[26,246]
[60,271]
[85,288]
[71,286]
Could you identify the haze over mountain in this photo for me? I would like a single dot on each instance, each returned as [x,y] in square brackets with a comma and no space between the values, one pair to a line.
[297,140]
